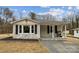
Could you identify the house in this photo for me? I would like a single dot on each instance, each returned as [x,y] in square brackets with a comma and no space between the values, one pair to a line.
[36,29]
[76,32]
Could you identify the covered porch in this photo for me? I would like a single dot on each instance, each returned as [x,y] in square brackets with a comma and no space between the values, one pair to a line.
[52,30]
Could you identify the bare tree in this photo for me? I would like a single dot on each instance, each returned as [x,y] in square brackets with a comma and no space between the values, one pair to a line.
[32,15]
[7,13]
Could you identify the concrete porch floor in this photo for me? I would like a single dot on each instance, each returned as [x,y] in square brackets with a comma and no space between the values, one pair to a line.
[61,46]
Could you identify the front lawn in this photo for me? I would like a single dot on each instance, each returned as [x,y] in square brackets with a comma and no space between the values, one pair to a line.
[21,46]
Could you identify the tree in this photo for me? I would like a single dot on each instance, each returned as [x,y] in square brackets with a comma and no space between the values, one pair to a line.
[77,19]
[7,13]
[1,20]
[13,19]
[32,15]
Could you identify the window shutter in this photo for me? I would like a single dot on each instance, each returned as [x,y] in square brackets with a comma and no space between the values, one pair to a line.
[48,29]
[51,29]
[32,30]
[35,29]
[20,29]
[16,29]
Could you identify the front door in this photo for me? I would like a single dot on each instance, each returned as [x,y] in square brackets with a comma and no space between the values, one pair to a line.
[56,32]
[45,31]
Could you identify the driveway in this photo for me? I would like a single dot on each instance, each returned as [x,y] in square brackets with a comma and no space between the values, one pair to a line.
[61,46]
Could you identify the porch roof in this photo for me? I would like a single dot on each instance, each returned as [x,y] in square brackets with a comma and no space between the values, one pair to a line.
[51,22]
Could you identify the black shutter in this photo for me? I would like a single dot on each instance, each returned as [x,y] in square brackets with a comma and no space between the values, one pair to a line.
[35,29]
[32,29]
[20,29]
[51,29]
[55,28]
[48,29]
[16,29]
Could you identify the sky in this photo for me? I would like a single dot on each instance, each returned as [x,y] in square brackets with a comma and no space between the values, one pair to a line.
[59,11]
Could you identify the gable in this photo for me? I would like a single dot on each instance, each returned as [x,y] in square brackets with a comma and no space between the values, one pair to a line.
[26,22]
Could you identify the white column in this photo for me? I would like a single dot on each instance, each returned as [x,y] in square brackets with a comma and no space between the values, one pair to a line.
[30,29]
[14,29]
[65,32]
[61,29]
[22,28]
[53,31]
[34,28]
[38,30]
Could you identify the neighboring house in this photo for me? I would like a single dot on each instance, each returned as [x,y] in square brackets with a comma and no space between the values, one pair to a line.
[36,29]
[67,32]
[76,32]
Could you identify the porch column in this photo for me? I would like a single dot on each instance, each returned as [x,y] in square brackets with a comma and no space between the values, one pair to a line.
[22,28]
[65,32]
[53,31]
[14,29]
[30,29]
[38,30]
[61,30]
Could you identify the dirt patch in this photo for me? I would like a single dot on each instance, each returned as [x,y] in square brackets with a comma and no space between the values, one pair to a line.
[72,40]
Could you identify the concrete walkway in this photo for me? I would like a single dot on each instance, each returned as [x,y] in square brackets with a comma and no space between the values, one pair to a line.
[60,46]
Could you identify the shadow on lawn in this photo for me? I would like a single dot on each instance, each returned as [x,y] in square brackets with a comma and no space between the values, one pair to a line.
[14,39]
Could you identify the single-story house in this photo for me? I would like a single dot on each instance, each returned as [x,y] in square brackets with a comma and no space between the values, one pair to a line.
[36,29]
[76,32]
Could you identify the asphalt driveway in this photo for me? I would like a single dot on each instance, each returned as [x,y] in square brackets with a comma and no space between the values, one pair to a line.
[61,46]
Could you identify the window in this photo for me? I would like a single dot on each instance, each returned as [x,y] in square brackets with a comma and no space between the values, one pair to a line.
[26,29]
[49,29]
[20,29]
[56,29]
[16,29]
[77,31]
[32,29]
[35,29]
